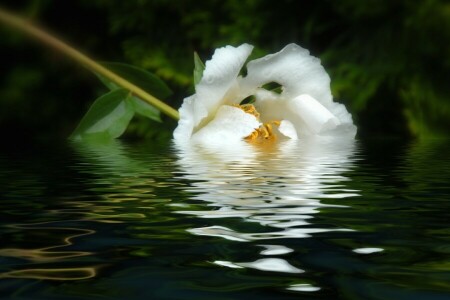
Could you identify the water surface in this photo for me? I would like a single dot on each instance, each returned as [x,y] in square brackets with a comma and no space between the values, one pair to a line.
[301,220]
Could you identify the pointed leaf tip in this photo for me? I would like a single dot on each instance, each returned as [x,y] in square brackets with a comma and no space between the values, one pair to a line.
[144,109]
[199,67]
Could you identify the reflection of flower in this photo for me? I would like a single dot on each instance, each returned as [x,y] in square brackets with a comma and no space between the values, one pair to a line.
[305,106]
[279,189]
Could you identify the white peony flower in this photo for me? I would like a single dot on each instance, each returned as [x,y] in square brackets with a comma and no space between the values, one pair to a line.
[305,107]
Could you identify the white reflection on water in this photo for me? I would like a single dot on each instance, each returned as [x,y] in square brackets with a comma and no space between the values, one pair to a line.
[264,264]
[367,250]
[277,187]
[275,250]
[303,287]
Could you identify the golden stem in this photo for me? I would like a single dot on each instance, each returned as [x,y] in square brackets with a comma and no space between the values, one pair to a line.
[39,34]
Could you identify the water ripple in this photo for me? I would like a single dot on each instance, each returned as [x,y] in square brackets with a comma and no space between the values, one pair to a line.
[304,220]
[281,189]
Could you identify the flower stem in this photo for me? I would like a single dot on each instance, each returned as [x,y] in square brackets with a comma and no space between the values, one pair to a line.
[39,34]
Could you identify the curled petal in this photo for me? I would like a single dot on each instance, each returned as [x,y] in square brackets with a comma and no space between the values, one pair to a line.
[219,76]
[230,124]
[293,68]
[316,117]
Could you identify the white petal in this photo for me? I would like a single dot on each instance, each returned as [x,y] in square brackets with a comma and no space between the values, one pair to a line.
[185,126]
[219,76]
[230,124]
[346,127]
[293,68]
[287,129]
[317,118]
[274,107]
[270,105]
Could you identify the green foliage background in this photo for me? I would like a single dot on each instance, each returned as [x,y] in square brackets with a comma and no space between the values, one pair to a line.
[389,61]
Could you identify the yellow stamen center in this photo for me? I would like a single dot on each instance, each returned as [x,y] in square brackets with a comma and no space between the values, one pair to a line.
[265,131]
[249,109]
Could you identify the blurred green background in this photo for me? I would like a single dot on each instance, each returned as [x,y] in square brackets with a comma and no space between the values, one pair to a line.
[389,61]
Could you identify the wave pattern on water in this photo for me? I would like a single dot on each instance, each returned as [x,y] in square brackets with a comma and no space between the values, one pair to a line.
[280,188]
[303,220]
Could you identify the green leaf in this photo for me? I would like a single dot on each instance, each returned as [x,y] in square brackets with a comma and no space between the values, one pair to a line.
[273,87]
[199,67]
[145,109]
[107,118]
[139,77]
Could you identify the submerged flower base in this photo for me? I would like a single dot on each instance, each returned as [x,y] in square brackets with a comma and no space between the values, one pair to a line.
[304,108]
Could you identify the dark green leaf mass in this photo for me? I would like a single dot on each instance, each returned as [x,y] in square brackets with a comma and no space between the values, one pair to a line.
[138,76]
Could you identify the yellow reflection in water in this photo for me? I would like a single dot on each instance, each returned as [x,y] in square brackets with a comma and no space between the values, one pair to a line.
[125,184]
[40,255]
[49,255]
[62,274]
[46,254]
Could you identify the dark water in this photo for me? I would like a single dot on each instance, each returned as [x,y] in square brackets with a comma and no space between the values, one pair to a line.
[363,220]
